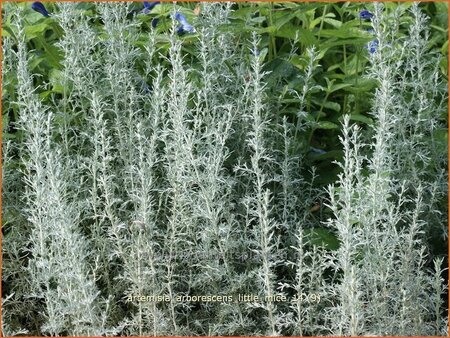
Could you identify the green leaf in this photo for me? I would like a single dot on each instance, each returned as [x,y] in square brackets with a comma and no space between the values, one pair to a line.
[444,49]
[336,87]
[326,104]
[7,31]
[357,41]
[327,125]
[318,20]
[35,30]
[322,237]
[331,105]
[259,19]
[270,30]
[279,69]
[290,31]
[56,78]
[333,22]
[36,62]
[360,118]
[342,33]
[365,86]
[280,19]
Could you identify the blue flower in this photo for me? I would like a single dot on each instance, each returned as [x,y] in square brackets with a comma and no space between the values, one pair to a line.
[365,15]
[155,22]
[372,46]
[181,18]
[39,7]
[185,26]
[148,6]
[180,30]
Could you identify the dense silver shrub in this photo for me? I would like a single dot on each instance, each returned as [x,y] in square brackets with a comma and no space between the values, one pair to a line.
[177,180]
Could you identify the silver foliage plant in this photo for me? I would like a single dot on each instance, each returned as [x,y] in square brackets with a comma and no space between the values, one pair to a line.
[126,190]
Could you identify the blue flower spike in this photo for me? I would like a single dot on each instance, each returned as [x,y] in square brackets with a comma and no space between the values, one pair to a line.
[148,6]
[372,46]
[365,15]
[185,26]
[39,7]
